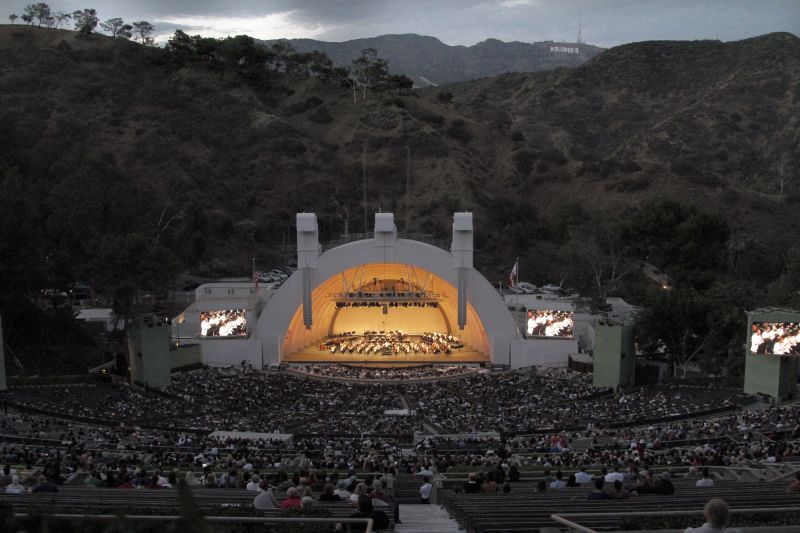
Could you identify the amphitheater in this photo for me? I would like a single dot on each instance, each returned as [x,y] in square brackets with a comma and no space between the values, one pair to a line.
[386,369]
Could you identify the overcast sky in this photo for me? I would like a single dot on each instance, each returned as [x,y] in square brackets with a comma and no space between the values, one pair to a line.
[604,22]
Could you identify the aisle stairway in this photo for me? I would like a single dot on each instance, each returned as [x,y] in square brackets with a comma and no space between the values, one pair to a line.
[406,488]
[425,519]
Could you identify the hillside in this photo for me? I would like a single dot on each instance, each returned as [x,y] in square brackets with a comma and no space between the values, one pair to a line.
[113,138]
[428,61]
[715,124]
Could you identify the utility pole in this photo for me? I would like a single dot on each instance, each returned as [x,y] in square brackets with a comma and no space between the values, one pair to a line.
[364,175]
[408,182]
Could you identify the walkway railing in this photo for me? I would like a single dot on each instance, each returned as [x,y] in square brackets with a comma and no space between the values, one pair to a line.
[213,519]
[565,518]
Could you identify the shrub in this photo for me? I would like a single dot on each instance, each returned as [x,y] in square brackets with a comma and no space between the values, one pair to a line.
[681,168]
[458,130]
[303,106]
[432,119]
[730,197]
[630,167]
[709,180]
[524,161]
[396,101]
[553,155]
[632,184]
[287,147]
[320,115]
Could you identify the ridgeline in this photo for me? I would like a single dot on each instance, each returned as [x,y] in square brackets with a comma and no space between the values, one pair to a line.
[123,164]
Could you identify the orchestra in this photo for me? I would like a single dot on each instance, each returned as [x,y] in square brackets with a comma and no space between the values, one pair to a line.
[391,343]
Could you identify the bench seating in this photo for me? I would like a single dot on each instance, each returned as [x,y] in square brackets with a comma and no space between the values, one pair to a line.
[525,510]
[76,499]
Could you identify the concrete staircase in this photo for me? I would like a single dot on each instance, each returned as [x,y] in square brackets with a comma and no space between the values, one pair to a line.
[406,489]
[420,518]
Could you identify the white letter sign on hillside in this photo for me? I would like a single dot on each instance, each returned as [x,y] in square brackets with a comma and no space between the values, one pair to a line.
[565,49]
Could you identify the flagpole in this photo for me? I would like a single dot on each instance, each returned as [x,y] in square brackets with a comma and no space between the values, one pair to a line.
[516,307]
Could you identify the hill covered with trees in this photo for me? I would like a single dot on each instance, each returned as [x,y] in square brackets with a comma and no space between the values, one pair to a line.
[428,61]
[123,164]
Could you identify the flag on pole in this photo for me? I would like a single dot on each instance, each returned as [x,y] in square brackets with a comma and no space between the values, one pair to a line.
[514,277]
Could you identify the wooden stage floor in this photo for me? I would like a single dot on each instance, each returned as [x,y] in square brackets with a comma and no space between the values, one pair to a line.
[313,355]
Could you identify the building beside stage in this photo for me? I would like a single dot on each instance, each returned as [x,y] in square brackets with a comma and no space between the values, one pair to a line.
[383,283]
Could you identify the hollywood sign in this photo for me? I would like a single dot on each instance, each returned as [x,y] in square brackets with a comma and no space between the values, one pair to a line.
[565,49]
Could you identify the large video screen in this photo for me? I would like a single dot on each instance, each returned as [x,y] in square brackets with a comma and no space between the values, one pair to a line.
[775,338]
[224,323]
[548,323]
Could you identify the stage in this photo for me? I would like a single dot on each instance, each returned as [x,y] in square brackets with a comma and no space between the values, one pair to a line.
[313,354]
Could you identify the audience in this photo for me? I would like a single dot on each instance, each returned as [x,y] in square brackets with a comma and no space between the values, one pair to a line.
[794,486]
[427,372]
[425,490]
[118,437]
[266,499]
[598,493]
[717,517]
[365,510]
[706,480]
[292,499]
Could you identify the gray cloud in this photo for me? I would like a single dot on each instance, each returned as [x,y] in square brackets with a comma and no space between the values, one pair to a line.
[605,22]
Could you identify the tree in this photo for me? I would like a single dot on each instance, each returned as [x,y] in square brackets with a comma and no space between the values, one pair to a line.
[29,13]
[687,242]
[117,28]
[785,291]
[13,17]
[61,17]
[343,213]
[144,32]
[369,71]
[598,257]
[320,65]
[400,83]
[241,53]
[40,12]
[281,51]
[20,242]
[681,322]
[85,20]
[444,98]
[784,175]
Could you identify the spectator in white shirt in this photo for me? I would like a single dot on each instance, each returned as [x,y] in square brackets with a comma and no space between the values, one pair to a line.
[616,475]
[254,482]
[582,477]
[341,491]
[425,472]
[15,487]
[425,490]
[706,480]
